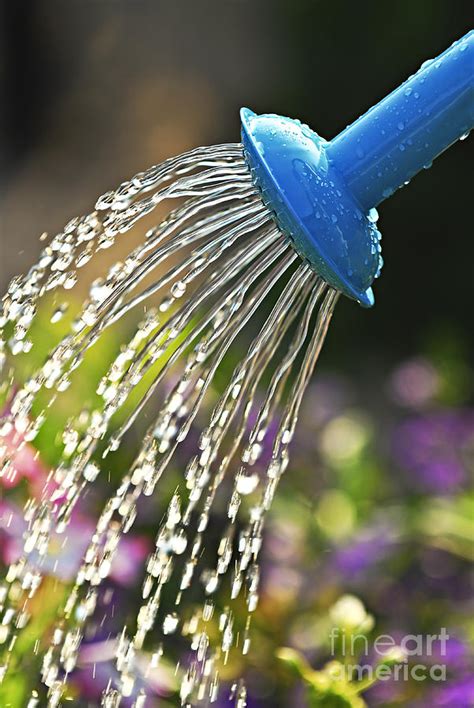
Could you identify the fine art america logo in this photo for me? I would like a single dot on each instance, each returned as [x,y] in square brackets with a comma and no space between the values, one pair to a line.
[384,658]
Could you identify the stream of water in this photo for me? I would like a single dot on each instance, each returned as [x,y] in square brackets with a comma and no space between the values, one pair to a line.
[198,282]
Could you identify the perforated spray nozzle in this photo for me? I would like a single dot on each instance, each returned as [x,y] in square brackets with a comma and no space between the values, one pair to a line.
[323,194]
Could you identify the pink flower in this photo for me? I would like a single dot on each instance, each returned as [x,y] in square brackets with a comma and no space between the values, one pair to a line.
[19,460]
[67,550]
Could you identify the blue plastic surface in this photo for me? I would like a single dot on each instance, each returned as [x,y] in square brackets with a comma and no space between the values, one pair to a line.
[323,193]
[409,128]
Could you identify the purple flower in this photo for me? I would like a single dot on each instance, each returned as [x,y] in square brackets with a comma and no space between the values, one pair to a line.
[362,553]
[454,653]
[434,450]
[457,691]
[67,550]
[454,694]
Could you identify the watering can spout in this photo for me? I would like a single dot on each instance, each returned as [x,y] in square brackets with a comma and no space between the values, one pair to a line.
[322,194]
[409,128]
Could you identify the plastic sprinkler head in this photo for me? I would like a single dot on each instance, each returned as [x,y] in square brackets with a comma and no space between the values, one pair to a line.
[323,194]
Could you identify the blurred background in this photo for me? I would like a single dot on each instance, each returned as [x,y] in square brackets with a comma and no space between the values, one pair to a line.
[376,503]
